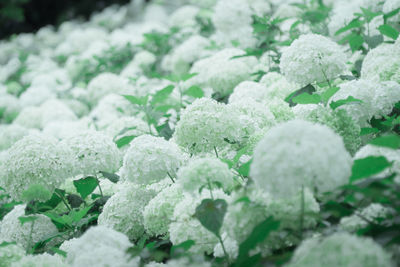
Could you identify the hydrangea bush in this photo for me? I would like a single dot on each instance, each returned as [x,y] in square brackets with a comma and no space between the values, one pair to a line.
[204,133]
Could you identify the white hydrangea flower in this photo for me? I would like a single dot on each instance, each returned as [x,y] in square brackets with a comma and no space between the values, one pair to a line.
[277,86]
[99,246]
[181,262]
[340,249]
[107,83]
[184,17]
[391,155]
[205,125]
[10,107]
[221,72]
[10,253]
[36,159]
[382,64]
[185,227]
[80,108]
[57,79]
[67,129]
[337,120]
[361,219]
[29,117]
[312,58]
[55,110]
[92,152]
[127,126]
[123,212]
[10,134]
[35,96]
[248,89]
[253,115]
[36,65]
[40,260]
[150,159]
[232,20]
[299,153]
[203,173]
[378,99]
[111,17]
[11,229]
[110,108]
[185,54]
[158,212]
[281,110]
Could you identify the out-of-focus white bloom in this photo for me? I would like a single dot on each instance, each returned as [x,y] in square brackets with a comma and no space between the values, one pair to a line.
[110,108]
[99,246]
[123,212]
[205,173]
[57,80]
[127,126]
[40,260]
[55,110]
[150,159]
[110,17]
[12,230]
[340,249]
[8,70]
[181,262]
[299,153]
[221,72]
[10,107]
[36,159]
[158,212]
[312,58]
[29,117]
[92,152]
[10,134]
[107,83]
[181,58]
[277,86]
[10,253]
[360,219]
[232,20]
[382,64]
[337,120]
[36,65]
[142,62]
[378,99]
[66,129]
[248,89]
[185,227]
[184,17]
[36,95]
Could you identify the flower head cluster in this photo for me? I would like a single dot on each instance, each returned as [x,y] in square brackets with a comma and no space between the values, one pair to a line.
[99,246]
[93,152]
[150,159]
[40,260]
[10,253]
[10,134]
[12,230]
[300,153]
[378,99]
[158,212]
[222,73]
[205,173]
[205,125]
[104,84]
[10,107]
[312,58]
[36,159]
[123,211]
[340,249]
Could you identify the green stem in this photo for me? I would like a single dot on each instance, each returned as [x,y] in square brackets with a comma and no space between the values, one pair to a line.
[209,188]
[29,248]
[216,152]
[302,212]
[223,247]
[170,177]
[63,200]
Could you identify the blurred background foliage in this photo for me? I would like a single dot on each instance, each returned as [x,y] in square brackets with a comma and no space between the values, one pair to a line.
[18,16]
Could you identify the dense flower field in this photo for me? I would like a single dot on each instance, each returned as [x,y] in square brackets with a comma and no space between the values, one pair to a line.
[204,133]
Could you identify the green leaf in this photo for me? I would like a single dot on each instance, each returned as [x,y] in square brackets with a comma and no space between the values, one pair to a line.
[245,168]
[391,14]
[74,200]
[325,96]
[355,23]
[366,167]
[181,248]
[125,140]
[388,31]
[390,141]
[258,235]
[211,214]
[355,41]
[59,251]
[86,186]
[36,192]
[366,131]
[111,176]
[162,95]
[335,104]
[25,219]
[306,98]
[306,89]
[141,101]
[5,243]
[195,91]
[76,216]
